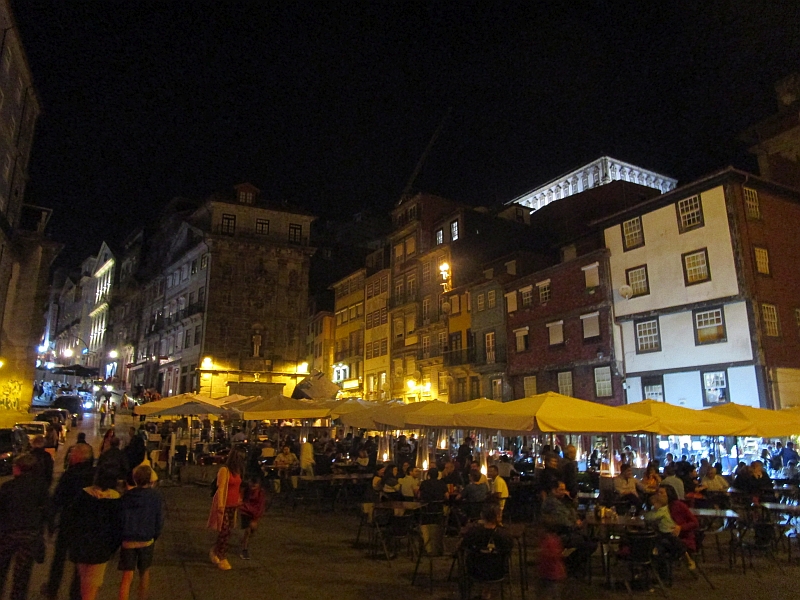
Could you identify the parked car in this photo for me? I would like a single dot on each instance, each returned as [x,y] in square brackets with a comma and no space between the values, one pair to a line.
[62,414]
[13,442]
[72,403]
[33,428]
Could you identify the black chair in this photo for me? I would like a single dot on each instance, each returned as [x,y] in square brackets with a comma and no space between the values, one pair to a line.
[430,545]
[640,562]
[763,539]
[484,566]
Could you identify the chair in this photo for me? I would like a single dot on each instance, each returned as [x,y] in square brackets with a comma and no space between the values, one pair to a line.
[366,519]
[430,544]
[640,560]
[764,540]
[484,566]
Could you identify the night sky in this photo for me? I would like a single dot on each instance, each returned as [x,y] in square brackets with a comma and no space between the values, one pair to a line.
[330,105]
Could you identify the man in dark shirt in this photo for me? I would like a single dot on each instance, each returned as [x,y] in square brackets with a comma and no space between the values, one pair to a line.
[432,489]
[569,470]
[44,462]
[25,509]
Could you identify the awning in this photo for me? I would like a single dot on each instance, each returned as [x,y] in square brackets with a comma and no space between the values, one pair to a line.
[281,407]
[678,420]
[761,422]
[441,414]
[171,402]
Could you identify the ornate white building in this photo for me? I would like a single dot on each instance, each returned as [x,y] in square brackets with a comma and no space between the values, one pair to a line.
[598,172]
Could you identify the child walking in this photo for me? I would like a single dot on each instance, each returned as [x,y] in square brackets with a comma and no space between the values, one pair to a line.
[254,502]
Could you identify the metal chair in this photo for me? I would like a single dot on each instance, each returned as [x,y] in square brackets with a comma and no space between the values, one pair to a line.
[640,560]
[486,567]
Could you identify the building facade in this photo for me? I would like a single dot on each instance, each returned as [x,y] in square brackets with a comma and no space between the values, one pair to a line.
[348,368]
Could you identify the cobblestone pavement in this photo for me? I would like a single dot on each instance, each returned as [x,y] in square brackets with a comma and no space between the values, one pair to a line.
[310,554]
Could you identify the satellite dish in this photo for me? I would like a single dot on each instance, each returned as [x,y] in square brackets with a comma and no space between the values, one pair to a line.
[626,292]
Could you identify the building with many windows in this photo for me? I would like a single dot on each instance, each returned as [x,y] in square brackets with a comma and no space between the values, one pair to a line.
[348,366]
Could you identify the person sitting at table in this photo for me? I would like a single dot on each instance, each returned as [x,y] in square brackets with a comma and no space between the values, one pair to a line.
[475,490]
[486,537]
[671,479]
[390,485]
[409,484]
[549,475]
[704,467]
[651,479]
[755,482]
[377,481]
[693,489]
[286,459]
[790,471]
[713,482]
[267,450]
[363,460]
[669,460]
[505,467]
[475,467]
[669,545]
[451,476]
[433,489]
[628,488]
[559,517]
[683,517]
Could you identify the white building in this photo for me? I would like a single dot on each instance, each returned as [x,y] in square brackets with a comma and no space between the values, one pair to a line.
[598,172]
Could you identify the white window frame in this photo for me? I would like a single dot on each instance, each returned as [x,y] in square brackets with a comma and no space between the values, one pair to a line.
[454,230]
[603,384]
[526,295]
[632,234]
[555,331]
[522,339]
[762,260]
[491,299]
[640,286]
[565,383]
[529,386]
[481,302]
[751,203]
[545,293]
[769,316]
[690,213]
[713,318]
[695,267]
[648,336]
[591,325]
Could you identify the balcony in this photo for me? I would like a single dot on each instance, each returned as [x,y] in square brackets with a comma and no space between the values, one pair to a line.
[454,358]
[492,357]
[432,352]
[398,300]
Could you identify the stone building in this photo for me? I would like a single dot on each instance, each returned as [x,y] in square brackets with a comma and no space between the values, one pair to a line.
[348,366]
[25,252]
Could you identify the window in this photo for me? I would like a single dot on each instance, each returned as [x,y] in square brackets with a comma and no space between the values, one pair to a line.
[201,294]
[522,339]
[426,310]
[751,203]
[762,260]
[653,388]
[228,224]
[489,340]
[602,382]
[527,295]
[455,304]
[529,385]
[637,280]
[709,326]
[544,291]
[426,271]
[411,286]
[591,274]
[246,197]
[769,313]
[565,383]
[399,287]
[370,293]
[439,237]
[715,387]
[295,233]
[648,338]
[491,299]
[454,231]
[194,266]
[511,302]
[632,233]
[797,317]
[481,302]
[695,267]
[262,226]
[442,341]
[556,331]
[411,245]
[591,325]
[497,389]
[442,381]
[690,214]
[204,261]
[384,284]
[198,331]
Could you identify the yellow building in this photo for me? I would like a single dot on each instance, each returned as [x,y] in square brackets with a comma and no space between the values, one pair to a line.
[348,366]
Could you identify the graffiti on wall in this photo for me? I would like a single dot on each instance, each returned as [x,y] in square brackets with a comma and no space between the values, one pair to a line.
[11,395]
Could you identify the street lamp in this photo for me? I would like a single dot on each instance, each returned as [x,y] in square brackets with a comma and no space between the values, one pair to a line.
[113,354]
[67,352]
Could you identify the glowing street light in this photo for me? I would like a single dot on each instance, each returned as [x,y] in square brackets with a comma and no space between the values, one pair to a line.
[113,354]
[68,353]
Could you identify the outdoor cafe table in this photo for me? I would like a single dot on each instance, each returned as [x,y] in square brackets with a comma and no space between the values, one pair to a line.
[793,510]
[714,513]
[603,529]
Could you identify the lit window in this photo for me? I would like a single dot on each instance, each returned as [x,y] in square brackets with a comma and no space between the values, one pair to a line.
[602,382]
[295,233]
[637,280]
[522,339]
[454,231]
[204,261]
[491,299]
[527,295]
[262,226]
[565,383]
[690,214]
[715,387]
[439,237]
[529,385]
[647,336]
[411,245]
[228,224]
[762,261]
[632,233]
[769,313]
[591,325]
[481,302]
[751,203]
[556,332]
[544,291]
[695,267]
[653,388]
[709,326]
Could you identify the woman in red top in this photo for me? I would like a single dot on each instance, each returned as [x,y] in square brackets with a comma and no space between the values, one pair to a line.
[683,517]
[224,504]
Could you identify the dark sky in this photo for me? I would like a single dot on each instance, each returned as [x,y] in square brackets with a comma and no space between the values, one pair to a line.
[330,105]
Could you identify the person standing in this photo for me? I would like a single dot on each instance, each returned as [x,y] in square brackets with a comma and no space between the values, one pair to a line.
[112,412]
[223,506]
[25,509]
[79,474]
[254,502]
[97,521]
[44,461]
[498,489]
[102,412]
[142,522]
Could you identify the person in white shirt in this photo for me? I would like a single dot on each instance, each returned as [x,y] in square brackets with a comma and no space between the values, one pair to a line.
[409,484]
[627,487]
[714,482]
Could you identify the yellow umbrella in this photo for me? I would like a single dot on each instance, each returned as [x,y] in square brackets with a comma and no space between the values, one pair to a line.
[551,413]
[761,422]
[362,419]
[172,402]
[678,420]
[281,407]
[442,414]
[395,416]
